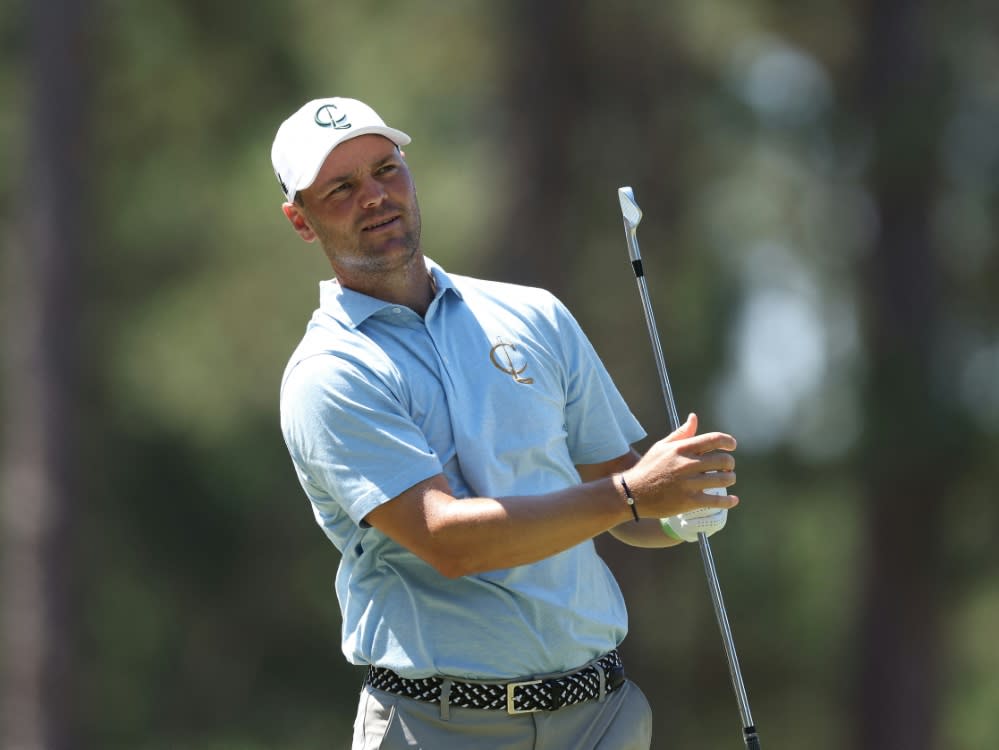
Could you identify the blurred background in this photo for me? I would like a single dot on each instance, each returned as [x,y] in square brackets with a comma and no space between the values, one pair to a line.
[819,183]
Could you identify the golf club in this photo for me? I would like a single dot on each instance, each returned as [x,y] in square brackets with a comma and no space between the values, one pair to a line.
[632,215]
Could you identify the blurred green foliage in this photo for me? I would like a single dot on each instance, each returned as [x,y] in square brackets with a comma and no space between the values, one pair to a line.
[208,618]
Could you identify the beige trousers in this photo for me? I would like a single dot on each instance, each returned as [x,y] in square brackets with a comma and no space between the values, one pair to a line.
[623,721]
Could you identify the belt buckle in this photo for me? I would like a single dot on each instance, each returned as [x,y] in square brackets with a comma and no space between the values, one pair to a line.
[510,688]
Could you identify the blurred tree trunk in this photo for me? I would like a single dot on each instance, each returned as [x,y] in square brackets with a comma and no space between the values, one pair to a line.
[41,331]
[545,102]
[909,451]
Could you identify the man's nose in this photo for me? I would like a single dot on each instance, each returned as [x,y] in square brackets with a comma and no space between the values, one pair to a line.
[372,193]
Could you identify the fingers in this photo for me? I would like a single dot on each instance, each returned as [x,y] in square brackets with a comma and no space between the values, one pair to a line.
[686,430]
[714,461]
[727,502]
[712,480]
[715,498]
[689,463]
[711,500]
[706,501]
[694,443]
[710,441]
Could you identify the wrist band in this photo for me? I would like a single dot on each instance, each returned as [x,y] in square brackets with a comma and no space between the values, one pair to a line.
[629,497]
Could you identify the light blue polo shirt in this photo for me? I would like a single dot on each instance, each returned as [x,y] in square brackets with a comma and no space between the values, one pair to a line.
[499,389]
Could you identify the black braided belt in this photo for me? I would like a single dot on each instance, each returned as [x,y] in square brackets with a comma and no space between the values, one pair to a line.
[525,696]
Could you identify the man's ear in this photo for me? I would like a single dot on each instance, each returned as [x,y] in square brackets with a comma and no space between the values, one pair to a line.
[297,218]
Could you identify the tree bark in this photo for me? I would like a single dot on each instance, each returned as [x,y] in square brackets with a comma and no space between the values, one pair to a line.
[907,443]
[544,102]
[39,381]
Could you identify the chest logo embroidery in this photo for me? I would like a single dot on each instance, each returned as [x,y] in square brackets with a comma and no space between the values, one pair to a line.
[506,358]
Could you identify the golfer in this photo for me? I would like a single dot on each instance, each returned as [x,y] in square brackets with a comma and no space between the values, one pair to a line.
[461,444]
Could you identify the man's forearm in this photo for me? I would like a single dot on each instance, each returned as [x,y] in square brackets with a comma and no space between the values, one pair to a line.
[472,535]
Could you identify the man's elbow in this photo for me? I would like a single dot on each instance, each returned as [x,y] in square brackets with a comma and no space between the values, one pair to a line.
[449,569]
[450,563]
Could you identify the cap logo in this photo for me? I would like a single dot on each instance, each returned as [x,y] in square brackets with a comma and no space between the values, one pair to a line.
[329,116]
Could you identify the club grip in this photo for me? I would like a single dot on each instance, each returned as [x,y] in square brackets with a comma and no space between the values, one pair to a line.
[752,740]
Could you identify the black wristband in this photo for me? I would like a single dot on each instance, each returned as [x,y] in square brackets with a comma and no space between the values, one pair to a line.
[629,497]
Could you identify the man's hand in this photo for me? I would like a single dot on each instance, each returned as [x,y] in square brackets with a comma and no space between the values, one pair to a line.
[686,473]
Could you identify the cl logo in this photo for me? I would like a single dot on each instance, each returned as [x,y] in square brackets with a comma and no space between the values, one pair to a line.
[328,116]
[502,357]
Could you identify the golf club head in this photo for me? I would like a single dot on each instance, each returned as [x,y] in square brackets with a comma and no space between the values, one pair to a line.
[632,214]
[629,208]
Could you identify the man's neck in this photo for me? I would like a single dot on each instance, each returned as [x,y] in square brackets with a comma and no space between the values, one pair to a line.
[412,286]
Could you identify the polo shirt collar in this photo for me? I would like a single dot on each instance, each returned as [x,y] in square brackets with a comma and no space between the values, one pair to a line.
[353,308]
[442,280]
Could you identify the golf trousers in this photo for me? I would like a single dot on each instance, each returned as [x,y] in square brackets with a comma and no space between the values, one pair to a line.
[622,721]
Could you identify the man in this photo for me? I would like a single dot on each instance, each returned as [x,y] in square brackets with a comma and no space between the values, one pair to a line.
[461,444]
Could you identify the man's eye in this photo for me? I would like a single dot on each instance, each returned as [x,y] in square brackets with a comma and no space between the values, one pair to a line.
[340,189]
[387,169]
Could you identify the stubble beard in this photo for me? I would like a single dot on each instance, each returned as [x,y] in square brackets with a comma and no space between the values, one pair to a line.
[360,259]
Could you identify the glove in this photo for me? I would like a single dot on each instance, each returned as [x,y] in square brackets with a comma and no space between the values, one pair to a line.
[684,527]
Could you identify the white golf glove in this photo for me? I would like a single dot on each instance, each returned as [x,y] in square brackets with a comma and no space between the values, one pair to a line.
[684,527]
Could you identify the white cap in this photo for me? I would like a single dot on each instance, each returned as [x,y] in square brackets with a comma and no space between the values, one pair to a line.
[306,138]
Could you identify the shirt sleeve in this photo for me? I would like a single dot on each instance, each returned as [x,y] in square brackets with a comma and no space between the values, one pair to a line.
[350,437]
[599,423]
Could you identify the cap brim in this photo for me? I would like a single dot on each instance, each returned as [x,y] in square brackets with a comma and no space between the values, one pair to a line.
[396,136]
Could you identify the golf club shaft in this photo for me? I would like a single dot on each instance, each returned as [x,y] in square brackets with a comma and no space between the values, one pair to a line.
[749,729]
[657,351]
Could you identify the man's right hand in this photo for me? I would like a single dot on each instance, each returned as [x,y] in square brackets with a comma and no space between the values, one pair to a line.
[683,471]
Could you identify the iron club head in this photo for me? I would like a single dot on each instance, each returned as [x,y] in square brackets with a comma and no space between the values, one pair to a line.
[629,208]
[632,215]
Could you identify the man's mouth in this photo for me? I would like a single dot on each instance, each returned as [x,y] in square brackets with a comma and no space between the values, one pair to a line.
[380,224]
